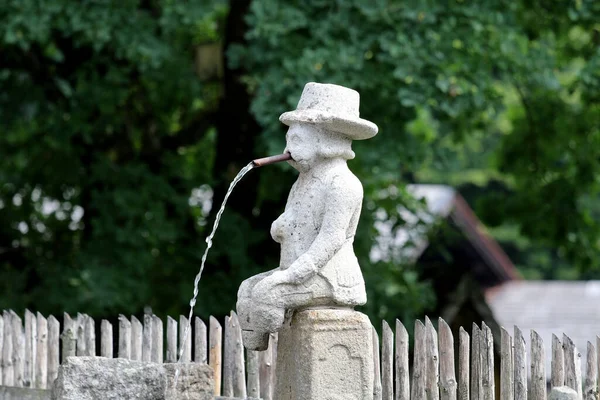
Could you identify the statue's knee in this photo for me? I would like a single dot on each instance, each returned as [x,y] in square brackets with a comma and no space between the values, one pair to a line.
[245,289]
[269,317]
[244,317]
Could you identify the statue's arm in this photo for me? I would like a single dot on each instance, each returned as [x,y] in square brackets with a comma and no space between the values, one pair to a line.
[344,198]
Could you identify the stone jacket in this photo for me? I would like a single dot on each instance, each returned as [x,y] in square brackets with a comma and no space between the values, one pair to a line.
[316,231]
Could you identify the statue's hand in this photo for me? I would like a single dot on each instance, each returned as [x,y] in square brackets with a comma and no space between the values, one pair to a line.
[267,284]
[301,270]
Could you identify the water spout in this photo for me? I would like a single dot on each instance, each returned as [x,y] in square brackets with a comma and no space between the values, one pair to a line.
[259,162]
[255,163]
[209,243]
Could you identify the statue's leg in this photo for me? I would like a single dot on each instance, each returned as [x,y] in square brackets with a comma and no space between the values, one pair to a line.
[316,291]
[262,320]
[266,313]
[254,339]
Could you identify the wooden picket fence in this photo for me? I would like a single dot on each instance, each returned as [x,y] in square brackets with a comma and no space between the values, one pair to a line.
[433,369]
[31,351]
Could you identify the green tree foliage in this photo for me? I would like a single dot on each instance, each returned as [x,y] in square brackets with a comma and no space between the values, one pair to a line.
[114,117]
[104,137]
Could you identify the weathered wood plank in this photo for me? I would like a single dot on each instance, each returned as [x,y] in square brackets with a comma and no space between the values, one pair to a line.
[41,368]
[158,353]
[239,368]
[265,359]
[572,366]
[265,367]
[80,334]
[124,337]
[557,365]
[106,339]
[507,374]
[18,349]
[487,368]
[30,349]
[185,341]
[214,354]
[171,340]
[387,362]
[200,342]
[476,363]
[419,376]
[463,365]
[68,338]
[447,372]
[147,338]
[227,384]
[598,363]
[253,374]
[275,338]
[90,336]
[136,339]
[520,354]
[1,348]
[538,367]
[8,371]
[590,390]
[377,389]
[402,371]
[433,362]
[53,349]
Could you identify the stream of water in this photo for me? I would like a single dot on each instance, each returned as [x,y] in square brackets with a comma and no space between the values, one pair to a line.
[238,177]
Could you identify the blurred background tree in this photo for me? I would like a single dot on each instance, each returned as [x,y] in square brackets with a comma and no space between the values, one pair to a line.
[122,121]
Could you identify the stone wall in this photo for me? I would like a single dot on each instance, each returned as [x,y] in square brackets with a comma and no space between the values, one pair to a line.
[98,378]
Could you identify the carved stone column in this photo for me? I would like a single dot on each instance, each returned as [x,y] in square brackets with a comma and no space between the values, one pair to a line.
[325,354]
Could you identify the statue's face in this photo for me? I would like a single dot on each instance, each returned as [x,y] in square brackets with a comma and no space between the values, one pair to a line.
[301,143]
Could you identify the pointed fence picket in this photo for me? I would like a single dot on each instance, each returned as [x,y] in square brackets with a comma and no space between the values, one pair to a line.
[590,387]
[507,383]
[401,360]
[387,362]
[32,347]
[227,382]
[106,339]
[448,383]
[377,389]
[2,357]
[464,352]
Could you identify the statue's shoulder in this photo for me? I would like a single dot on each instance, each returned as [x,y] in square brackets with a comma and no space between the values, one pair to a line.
[344,182]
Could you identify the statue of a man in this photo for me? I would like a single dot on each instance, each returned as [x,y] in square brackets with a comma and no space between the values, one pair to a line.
[318,267]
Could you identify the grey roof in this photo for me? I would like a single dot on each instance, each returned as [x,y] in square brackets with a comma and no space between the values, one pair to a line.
[407,243]
[550,307]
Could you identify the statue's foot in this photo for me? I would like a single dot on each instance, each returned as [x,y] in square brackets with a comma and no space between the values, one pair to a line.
[253,340]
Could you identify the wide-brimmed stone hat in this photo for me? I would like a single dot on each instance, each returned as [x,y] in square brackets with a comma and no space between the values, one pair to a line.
[333,106]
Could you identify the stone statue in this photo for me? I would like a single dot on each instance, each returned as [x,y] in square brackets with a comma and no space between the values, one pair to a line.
[318,267]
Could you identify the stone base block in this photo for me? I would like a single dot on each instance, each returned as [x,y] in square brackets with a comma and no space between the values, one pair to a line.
[325,354]
[98,378]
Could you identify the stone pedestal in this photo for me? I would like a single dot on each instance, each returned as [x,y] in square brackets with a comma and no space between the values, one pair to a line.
[325,354]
